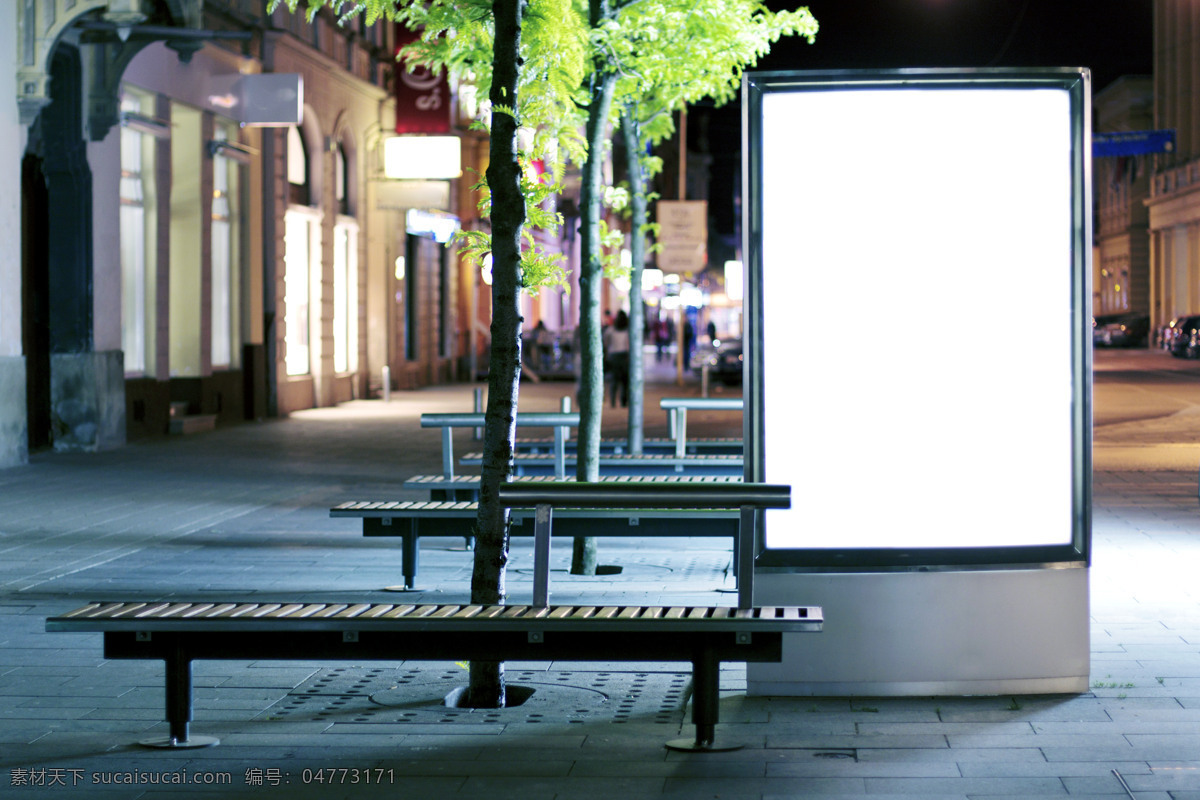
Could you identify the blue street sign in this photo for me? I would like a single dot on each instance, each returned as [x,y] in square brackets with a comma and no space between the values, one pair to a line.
[1132,143]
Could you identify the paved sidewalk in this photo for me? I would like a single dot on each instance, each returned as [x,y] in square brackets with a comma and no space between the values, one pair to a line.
[244,511]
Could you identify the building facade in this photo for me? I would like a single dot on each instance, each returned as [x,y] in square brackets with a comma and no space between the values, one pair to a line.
[1121,185]
[185,251]
[1174,201]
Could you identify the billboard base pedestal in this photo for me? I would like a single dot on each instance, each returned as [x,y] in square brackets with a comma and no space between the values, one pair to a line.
[931,633]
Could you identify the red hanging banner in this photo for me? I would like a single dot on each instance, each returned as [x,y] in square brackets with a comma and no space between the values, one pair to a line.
[422,96]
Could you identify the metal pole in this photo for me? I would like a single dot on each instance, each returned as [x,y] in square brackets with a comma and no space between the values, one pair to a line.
[387,384]
[543,514]
[478,410]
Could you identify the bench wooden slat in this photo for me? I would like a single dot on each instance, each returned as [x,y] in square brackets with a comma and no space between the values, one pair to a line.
[218,610]
[398,612]
[329,610]
[265,610]
[151,609]
[174,608]
[371,611]
[196,609]
[85,611]
[285,610]
[238,610]
[351,611]
[117,609]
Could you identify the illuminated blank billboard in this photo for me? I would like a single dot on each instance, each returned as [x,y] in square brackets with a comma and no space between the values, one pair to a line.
[918,314]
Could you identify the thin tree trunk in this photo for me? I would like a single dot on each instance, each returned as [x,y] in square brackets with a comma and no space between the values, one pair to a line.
[631,131]
[486,689]
[591,276]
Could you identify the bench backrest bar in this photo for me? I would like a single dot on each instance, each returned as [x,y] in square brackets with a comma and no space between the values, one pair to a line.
[532,419]
[677,408]
[702,403]
[560,421]
[660,494]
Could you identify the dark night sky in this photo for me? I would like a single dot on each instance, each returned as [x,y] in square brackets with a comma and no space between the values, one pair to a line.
[1111,37]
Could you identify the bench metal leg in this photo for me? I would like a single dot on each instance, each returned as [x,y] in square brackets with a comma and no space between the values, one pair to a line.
[179,705]
[706,697]
[410,548]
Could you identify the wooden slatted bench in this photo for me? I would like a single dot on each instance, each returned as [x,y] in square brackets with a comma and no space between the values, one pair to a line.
[707,445]
[466,487]
[546,497]
[625,464]
[181,632]
[409,520]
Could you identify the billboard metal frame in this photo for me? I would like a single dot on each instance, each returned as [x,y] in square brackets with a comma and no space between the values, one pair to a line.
[1076,553]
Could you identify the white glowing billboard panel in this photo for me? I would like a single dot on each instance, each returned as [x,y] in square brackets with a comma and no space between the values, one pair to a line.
[920,320]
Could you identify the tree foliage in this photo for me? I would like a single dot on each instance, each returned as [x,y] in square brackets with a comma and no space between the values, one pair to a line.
[652,57]
[731,35]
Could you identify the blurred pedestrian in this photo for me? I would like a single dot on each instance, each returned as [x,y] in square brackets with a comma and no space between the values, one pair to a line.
[544,338]
[689,340]
[616,345]
[662,338]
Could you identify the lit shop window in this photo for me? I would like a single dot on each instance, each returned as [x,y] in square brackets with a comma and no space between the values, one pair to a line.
[299,226]
[227,227]
[301,250]
[137,222]
[345,295]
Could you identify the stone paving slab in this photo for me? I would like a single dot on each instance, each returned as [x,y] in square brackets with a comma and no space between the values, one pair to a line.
[244,510]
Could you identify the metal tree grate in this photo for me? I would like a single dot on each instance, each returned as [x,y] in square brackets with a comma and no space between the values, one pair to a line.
[348,695]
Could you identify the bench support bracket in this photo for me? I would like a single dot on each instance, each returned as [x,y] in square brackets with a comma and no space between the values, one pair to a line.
[706,697]
[179,705]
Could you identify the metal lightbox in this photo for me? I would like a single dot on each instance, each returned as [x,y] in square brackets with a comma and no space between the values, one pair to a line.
[918,247]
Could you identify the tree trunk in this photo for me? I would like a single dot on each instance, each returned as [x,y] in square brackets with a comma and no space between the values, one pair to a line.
[631,131]
[486,689]
[591,277]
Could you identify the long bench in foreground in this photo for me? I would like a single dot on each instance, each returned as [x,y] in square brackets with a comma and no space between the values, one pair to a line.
[179,633]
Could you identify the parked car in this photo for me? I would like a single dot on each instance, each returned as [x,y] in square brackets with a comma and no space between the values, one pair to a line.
[1099,324]
[1184,339]
[1126,330]
[723,358]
